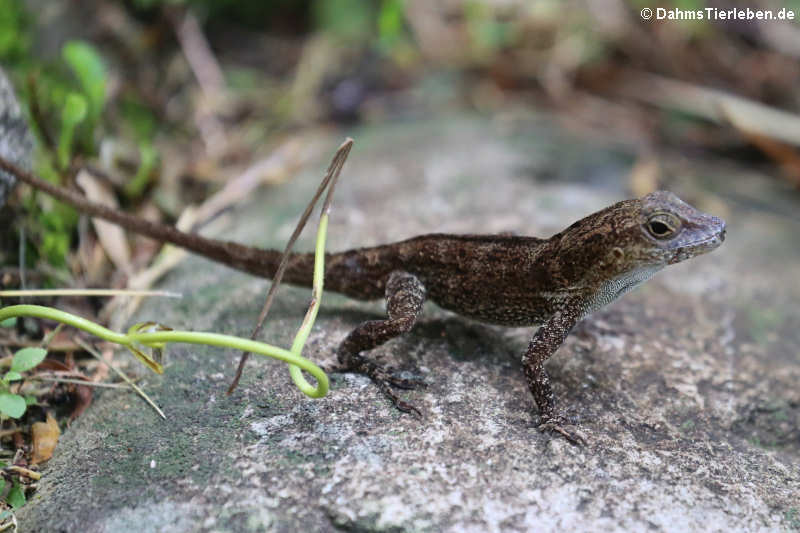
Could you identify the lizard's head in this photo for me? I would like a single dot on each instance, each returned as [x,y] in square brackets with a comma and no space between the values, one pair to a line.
[631,240]
[621,246]
[672,231]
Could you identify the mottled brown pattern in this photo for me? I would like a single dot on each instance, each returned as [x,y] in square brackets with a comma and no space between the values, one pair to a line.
[500,279]
[514,281]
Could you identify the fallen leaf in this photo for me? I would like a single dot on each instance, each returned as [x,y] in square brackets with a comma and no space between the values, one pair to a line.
[53,365]
[785,156]
[111,237]
[45,438]
[82,396]
[715,105]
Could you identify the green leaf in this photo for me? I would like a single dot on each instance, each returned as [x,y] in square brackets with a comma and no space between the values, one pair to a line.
[27,358]
[9,322]
[75,109]
[57,225]
[12,376]
[349,20]
[148,158]
[15,35]
[16,496]
[72,115]
[2,488]
[12,405]
[30,400]
[390,21]
[88,67]
[138,117]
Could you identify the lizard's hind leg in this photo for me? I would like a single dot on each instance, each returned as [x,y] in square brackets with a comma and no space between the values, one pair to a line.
[405,295]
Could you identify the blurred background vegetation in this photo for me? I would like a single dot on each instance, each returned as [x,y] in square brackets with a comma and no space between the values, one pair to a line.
[152,105]
[177,109]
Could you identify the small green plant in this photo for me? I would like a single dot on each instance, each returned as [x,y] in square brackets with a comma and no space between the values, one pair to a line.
[150,335]
[88,68]
[153,337]
[16,495]
[15,37]
[11,404]
[74,112]
[66,100]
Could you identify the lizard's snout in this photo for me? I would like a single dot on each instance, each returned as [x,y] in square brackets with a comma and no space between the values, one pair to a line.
[722,228]
[709,233]
[719,235]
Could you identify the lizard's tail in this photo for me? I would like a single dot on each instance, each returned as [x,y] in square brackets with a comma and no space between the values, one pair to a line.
[359,274]
[255,261]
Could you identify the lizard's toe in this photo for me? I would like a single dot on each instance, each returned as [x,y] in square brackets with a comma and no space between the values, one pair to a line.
[400,379]
[559,425]
[404,380]
[335,368]
[401,405]
[385,379]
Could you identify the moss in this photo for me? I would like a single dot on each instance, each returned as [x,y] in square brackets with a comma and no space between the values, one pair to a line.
[792,517]
[203,424]
[763,322]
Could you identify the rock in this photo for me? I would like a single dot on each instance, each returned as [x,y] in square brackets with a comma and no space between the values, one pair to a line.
[686,388]
[16,143]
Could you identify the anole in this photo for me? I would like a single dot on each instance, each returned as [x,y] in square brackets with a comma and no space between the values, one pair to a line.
[498,279]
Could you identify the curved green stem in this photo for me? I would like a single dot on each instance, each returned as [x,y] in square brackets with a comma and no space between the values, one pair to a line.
[154,335]
[39,311]
[156,338]
[188,337]
[238,343]
[311,314]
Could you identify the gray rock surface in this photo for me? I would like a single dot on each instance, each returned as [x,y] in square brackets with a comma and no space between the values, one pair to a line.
[16,143]
[686,388]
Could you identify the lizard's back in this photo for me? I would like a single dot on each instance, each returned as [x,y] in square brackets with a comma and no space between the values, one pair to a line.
[494,278]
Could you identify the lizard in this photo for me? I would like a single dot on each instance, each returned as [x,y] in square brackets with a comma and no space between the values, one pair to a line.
[498,279]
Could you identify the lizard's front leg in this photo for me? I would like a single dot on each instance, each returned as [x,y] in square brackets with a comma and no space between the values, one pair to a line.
[405,295]
[544,343]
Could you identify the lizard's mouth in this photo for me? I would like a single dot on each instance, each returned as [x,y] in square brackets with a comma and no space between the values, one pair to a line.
[701,246]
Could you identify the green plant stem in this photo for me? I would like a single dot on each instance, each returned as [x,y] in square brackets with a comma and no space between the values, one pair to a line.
[187,337]
[329,183]
[313,308]
[156,339]
[88,292]
[49,313]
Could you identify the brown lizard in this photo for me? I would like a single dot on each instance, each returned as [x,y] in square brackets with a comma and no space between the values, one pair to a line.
[498,279]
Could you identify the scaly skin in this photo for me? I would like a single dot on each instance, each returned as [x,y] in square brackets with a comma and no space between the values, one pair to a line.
[506,280]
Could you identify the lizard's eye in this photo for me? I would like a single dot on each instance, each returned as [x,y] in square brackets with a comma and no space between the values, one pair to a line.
[662,225]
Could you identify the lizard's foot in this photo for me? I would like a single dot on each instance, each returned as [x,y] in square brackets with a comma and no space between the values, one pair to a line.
[385,379]
[404,380]
[560,425]
[402,405]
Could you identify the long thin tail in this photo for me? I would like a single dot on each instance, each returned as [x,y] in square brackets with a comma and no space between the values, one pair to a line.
[252,260]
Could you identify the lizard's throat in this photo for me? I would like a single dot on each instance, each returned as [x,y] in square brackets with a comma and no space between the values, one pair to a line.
[615,288]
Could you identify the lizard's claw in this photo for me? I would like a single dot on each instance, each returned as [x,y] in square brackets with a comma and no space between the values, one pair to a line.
[407,383]
[401,405]
[556,424]
[385,379]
